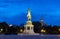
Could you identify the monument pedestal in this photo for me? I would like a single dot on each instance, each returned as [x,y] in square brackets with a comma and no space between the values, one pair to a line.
[28,28]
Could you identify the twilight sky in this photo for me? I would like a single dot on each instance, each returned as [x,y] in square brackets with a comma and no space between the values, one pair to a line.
[15,11]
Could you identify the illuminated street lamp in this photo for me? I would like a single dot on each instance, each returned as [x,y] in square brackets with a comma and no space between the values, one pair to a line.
[43,31]
[1,30]
[59,29]
[21,30]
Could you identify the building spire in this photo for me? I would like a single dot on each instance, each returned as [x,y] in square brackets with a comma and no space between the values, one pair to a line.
[42,21]
[29,15]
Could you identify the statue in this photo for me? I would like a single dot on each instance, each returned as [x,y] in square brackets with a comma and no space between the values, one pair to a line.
[29,15]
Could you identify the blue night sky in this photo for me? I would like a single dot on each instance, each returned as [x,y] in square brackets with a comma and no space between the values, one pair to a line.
[15,11]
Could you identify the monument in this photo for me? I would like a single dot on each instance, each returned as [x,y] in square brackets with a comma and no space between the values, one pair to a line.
[28,28]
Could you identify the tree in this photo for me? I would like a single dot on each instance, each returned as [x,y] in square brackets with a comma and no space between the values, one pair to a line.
[37,26]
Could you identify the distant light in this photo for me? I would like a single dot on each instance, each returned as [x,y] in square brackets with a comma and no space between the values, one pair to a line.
[1,30]
[21,30]
[10,25]
[43,31]
[59,29]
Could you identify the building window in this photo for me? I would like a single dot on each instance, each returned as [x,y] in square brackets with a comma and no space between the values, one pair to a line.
[28,28]
[31,27]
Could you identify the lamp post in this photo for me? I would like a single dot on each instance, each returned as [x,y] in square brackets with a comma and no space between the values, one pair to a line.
[21,30]
[43,31]
[1,30]
[59,29]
